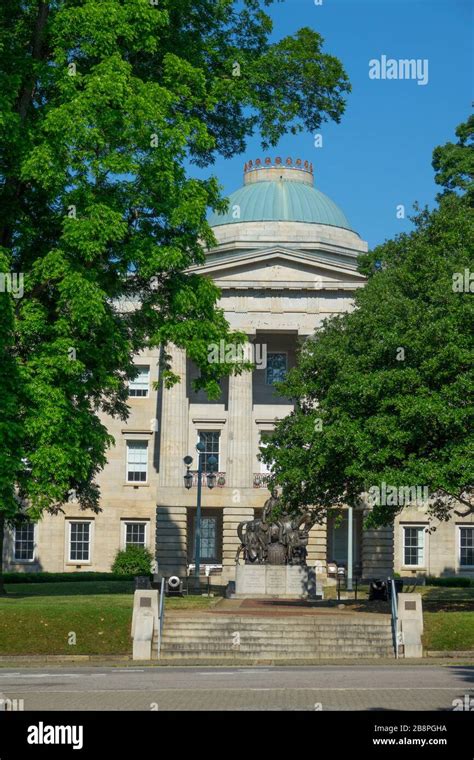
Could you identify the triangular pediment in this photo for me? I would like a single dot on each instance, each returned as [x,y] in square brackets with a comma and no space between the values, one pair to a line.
[280,268]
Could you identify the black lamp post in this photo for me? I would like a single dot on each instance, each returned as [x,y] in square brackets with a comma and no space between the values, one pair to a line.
[188,482]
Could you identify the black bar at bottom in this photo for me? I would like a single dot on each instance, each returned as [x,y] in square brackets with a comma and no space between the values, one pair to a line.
[102,734]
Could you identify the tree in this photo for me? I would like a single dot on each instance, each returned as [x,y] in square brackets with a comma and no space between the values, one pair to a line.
[384,394]
[104,105]
[454,162]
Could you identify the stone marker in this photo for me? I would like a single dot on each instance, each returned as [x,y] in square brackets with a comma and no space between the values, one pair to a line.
[144,622]
[410,623]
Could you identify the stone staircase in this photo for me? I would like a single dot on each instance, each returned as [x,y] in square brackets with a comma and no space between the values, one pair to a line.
[249,638]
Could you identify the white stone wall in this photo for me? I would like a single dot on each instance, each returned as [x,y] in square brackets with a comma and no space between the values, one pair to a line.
[441,550]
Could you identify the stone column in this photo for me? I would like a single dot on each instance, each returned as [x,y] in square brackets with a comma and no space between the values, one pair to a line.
[230,540]
[377,552]
[240,449]
[317,549]
[174,424]
[171,540]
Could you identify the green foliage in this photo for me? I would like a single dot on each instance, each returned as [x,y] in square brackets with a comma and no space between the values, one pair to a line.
[454,165]
[104,105]
[134,560]
[64,577]
[384,394]
[456,581]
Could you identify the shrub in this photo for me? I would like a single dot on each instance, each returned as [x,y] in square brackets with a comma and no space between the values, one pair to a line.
[457,581]
[79,577]
[134,560]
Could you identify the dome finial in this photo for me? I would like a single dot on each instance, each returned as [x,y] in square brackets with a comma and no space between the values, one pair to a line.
[279,169]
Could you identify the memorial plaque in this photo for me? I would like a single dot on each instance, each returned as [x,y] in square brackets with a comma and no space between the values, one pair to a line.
[145,601]
[275,580]
[410,605]
[250,580]
[295,580]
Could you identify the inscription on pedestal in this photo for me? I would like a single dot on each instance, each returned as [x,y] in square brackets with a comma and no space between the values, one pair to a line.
[276,580]
[250,580]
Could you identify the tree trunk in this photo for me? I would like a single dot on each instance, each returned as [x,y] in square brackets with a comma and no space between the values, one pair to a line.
[3,590]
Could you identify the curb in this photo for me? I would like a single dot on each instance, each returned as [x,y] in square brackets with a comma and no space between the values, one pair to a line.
[447,653]
[126,660]
[66,658]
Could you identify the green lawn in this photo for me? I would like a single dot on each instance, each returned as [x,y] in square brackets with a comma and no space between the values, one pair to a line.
[446,631]
[38,618]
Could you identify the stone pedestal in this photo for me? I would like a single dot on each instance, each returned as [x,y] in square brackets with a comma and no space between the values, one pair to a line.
[144,622]
[410,624]
[276,582]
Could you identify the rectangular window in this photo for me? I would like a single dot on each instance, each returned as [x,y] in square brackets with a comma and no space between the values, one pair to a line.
[135,534]
[208,539]
[277,367]
[79,541]
[466,546]
[140,386]
[25,543]
[211,440]
[413,546]
[137,461]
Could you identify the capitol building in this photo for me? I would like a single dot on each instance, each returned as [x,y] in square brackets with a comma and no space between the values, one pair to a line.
[285,260]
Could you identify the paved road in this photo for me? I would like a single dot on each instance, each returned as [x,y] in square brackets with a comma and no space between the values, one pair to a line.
[359,687]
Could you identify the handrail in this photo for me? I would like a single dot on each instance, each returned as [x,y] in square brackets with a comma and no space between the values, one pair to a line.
[161,614]
[394,617]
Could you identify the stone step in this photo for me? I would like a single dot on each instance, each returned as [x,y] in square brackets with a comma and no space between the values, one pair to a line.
[302,638]
[343,619]
[274,623]
[335,631]
[284,654]
[307,641]
[268,657]
[283,650]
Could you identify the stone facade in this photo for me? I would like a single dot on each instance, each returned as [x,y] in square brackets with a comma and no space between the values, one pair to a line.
[279,280]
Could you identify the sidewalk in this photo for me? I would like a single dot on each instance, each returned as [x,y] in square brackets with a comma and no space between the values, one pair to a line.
[124,661]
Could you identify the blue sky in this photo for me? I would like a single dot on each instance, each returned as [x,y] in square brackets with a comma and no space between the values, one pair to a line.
[379,156]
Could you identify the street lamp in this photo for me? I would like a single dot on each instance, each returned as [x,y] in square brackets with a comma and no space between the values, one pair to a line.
[188,482]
